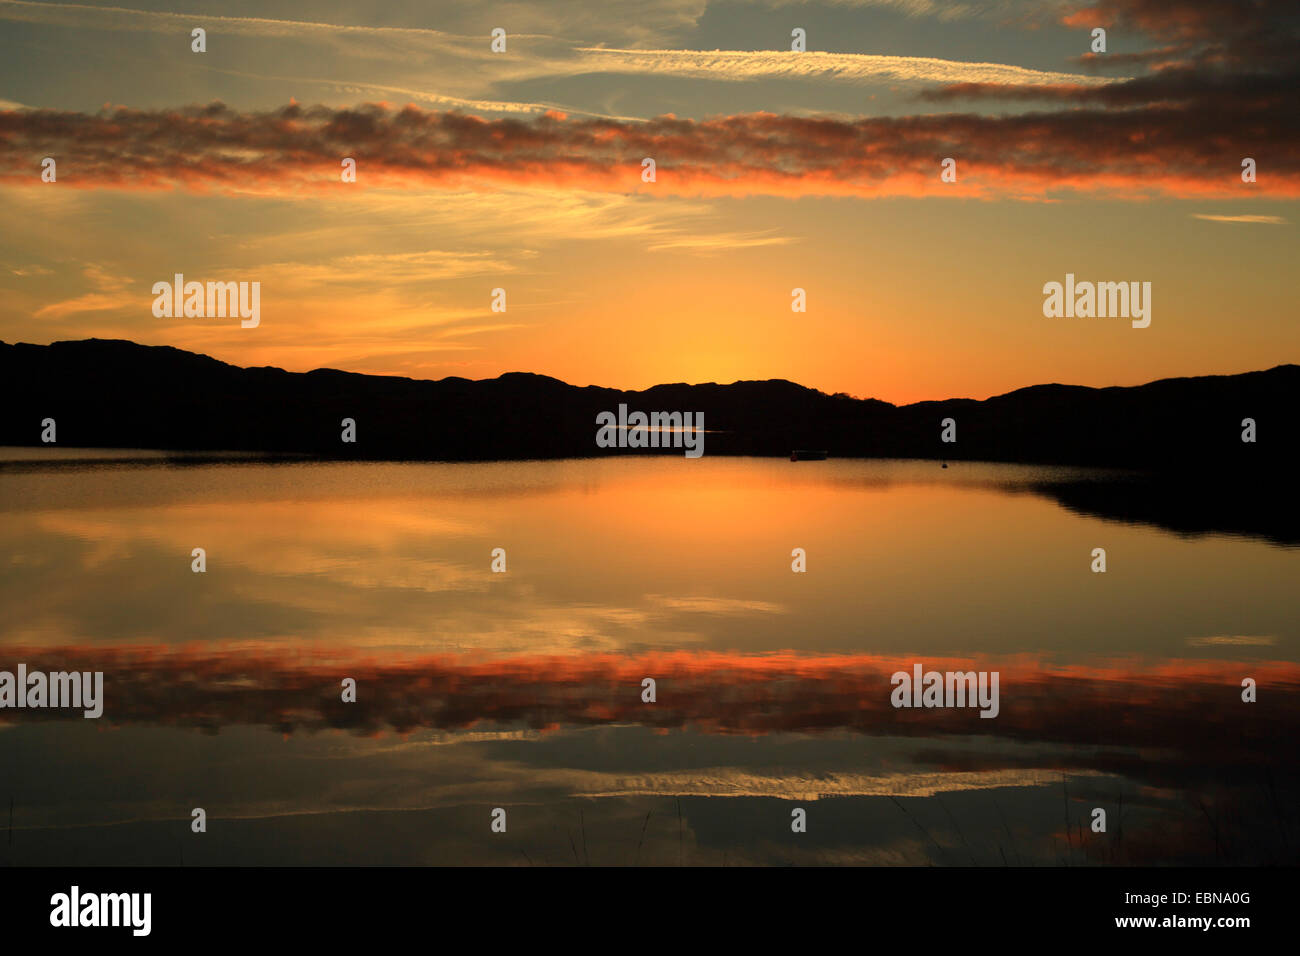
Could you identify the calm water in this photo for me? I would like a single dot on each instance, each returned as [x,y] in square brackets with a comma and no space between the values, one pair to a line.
[522,690]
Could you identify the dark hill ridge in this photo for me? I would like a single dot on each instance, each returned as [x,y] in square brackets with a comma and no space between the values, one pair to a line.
[117,394]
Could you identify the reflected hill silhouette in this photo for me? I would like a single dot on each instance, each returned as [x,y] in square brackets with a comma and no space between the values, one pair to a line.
[1257,505]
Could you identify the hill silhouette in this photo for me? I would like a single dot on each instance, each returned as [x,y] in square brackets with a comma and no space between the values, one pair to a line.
[118,394]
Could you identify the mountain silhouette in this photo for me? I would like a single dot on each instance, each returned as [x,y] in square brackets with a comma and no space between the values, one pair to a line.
[119,394]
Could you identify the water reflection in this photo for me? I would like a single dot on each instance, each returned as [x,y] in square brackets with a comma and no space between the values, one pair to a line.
[523,689]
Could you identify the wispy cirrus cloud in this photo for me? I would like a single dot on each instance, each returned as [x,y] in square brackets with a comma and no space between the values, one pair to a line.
[89,16]
[1233,640]
[1268,220]
[745,65]
[384,270]
[109,291]
[546,56]
[706,244]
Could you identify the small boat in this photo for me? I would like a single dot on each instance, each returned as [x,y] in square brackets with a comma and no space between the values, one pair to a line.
[804,454]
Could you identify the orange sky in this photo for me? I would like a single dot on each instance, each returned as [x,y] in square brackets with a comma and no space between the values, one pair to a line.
[775,170]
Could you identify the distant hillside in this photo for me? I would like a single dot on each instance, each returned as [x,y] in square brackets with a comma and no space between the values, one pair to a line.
[117,394]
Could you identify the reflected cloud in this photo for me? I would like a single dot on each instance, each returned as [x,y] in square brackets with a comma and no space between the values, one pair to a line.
[1228,640]
[704,691]
[727,782]
[715,605]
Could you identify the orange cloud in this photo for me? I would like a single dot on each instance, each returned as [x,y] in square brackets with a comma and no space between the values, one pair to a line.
[1129,703]
[1157,150]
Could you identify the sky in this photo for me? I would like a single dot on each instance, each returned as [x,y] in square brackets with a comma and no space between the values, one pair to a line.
[775,170]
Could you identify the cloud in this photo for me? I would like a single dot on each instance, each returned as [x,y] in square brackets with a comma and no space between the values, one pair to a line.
[1157,150]
[1271,220]
[629,22]
[721,242]
[111,292]
[1091,705]
[1141,136]
[1252,32]
[535,55]
[1244,640]
[383,39]
[731,782]
[90,302]
[743,66]
[386,270]
[438,99]
[1210,56]
[715,605]
[1188,86]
